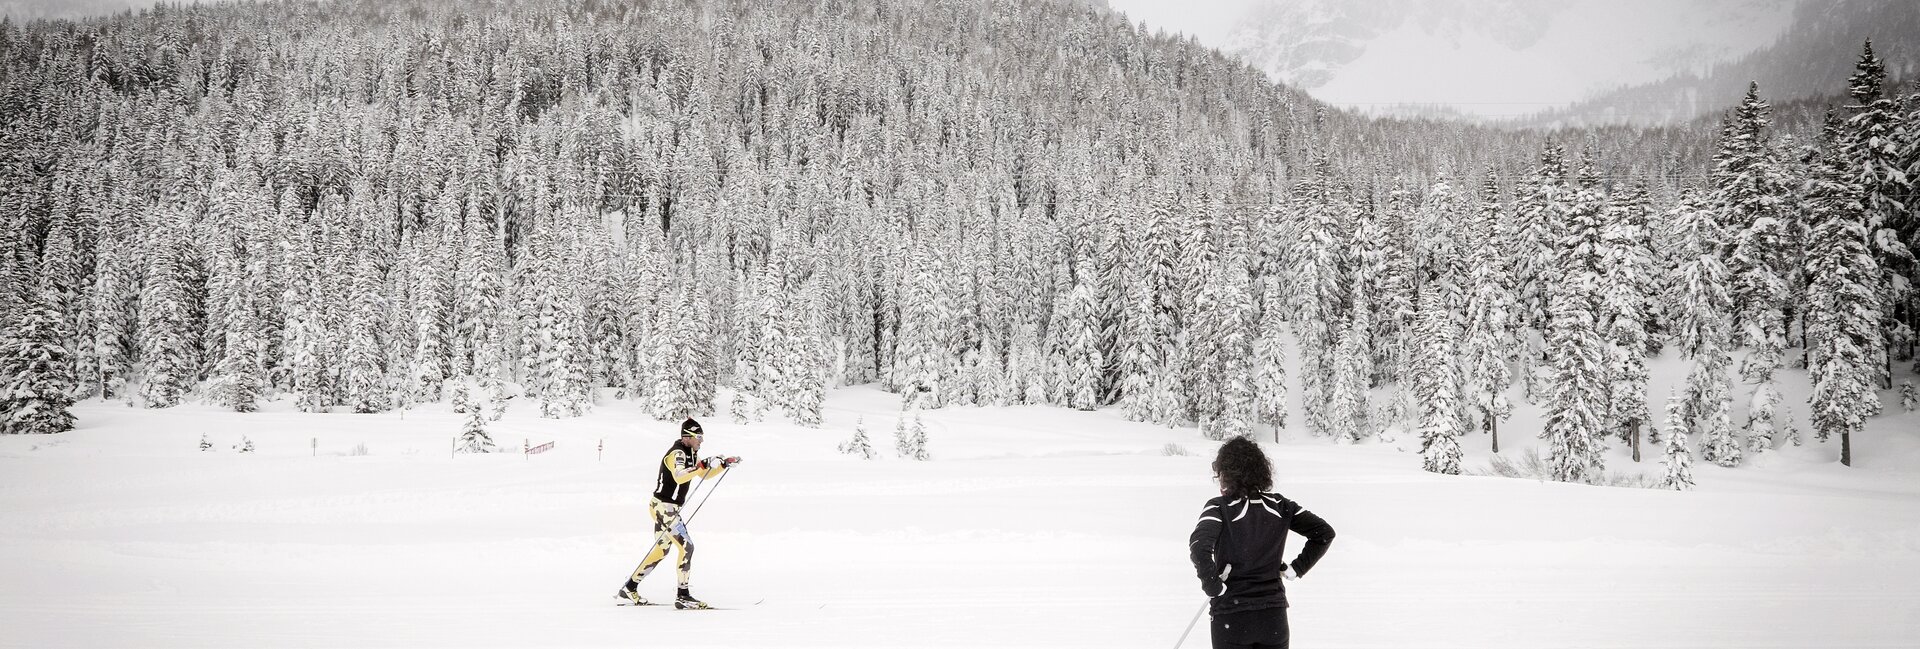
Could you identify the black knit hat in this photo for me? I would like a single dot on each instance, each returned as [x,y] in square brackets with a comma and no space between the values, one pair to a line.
[691,428]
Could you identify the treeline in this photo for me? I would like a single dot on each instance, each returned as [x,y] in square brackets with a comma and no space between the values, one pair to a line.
[362,205]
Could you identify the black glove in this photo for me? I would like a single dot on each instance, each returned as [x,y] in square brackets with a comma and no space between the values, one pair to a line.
[1213,587]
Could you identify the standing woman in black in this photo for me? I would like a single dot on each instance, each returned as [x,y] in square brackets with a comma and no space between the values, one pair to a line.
[1237,549]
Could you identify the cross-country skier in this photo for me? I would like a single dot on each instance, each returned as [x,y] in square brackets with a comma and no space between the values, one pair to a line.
[1237,547]
[677,471]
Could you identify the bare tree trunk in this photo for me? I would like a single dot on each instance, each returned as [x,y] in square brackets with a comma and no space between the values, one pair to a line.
[1494,426]
[1633,434]
[1846,448]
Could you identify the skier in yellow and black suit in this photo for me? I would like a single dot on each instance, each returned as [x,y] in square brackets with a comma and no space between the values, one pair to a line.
[677,471]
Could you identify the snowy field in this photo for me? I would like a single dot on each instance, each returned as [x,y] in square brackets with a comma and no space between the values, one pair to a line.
[1032,527]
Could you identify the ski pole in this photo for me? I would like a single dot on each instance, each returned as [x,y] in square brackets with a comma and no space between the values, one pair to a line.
[709,496]
[1196,620]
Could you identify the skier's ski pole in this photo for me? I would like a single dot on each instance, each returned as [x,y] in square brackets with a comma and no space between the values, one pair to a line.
[1196,620]
[709,496]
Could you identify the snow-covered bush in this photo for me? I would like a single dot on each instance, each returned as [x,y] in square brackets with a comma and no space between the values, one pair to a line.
[859,445]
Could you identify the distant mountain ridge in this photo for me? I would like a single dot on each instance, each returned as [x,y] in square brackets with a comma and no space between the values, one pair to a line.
[1811,60]
[1569,62]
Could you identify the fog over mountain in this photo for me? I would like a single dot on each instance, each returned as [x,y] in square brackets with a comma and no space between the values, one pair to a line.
[1643,61]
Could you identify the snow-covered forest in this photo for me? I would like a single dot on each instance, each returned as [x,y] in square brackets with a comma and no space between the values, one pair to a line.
[359,206]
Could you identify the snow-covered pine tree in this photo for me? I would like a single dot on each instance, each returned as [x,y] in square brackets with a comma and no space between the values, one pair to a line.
[1270,359]
[553,344]
[1486,347]
[1236,340]
[479,304]
[1702,331]
[309,345]
[168,349]
[761,335]
[1751,191]
[1679,456]
[36,372]
[1318,291]
[860,445]
[241,375]
[431,293]
[1203,376]
[1576,406]
[1843,334]
[803,388]
[1436,387]
[1908,398]
[1393,283]
[473,434]
[1348,413]
[1372,281]
[104,355]
[919,437]
[1625,293]
[1872,144]
[1076,329]
[363,385]
[925,335]
[1540,211]
[684,388]
[902,440]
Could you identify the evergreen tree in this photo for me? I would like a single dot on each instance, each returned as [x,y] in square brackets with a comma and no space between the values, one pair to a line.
[1871,144]
[804,382]
[1751,190]
[919,437]
[240,373]
[860,445]
[1318,291]
[1679,457]
[1436,387]
[363,385]
[1626,292]
[903,441]
[1702,333]
[431,292]
[309,347]
[684,388]
[104,356]
[479,305]
[167,340]
[1486,347]
[36,372]
[473,435]
[1844,314]
[1348,411]
[925,336]
[1533,248]
[1076,331]
[1270,361]
[1577,400]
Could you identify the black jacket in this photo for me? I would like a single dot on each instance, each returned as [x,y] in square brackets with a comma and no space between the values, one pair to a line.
[1237,548]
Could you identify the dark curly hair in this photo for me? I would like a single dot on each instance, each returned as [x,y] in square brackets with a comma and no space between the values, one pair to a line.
[1243,468]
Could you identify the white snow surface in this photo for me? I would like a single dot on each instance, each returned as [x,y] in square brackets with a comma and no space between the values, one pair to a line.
[1032,526]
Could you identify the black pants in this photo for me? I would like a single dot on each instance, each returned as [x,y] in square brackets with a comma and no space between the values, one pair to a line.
[1262,629]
